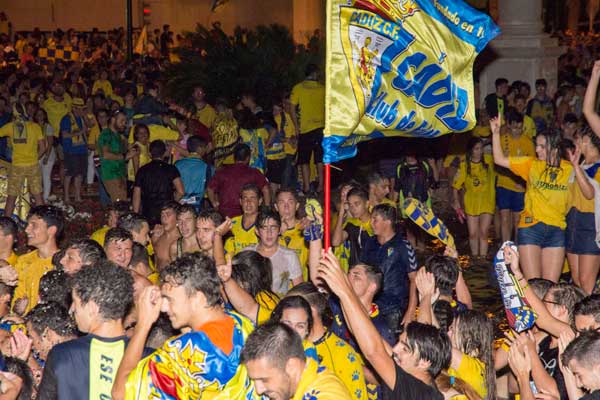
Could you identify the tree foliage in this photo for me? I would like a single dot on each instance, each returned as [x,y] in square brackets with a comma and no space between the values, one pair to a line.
[264,61]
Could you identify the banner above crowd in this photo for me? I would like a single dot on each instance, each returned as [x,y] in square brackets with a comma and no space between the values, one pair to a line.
[400,68]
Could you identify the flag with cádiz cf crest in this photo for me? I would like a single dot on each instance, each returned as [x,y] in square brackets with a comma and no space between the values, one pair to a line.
[399,68]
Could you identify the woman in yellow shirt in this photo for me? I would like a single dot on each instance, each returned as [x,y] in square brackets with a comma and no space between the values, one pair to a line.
[472,337]
[477,177]
[583,251]
[541,234]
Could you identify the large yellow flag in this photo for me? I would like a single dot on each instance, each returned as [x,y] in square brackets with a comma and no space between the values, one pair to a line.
[399,68]
[141,44]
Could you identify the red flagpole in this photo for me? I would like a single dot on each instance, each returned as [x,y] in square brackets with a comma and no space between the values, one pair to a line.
[327,210]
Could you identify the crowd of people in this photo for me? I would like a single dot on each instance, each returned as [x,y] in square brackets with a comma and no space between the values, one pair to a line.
[209,278]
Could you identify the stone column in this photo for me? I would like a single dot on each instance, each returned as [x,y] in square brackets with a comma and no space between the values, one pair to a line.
[522,52]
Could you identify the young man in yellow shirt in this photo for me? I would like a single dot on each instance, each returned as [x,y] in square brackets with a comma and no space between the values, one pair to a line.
[276,364]
[44,226]
[510,189]
[28,143]
[292,230]
[57,105]
[205,113]
[308,116]
[243,226]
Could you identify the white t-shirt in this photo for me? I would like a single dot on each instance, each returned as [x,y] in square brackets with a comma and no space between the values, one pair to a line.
[286,268]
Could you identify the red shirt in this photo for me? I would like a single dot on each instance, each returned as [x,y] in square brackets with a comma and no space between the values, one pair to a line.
[228,182]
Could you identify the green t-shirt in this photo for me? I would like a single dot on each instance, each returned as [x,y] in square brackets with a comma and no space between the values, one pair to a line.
[111,169]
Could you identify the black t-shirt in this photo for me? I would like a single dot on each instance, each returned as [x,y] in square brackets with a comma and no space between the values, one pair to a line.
[549,358]
[83,368]
[409,387]
[155,180]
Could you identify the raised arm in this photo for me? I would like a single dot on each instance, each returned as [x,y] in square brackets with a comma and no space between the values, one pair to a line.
[368,338]
[589,100]
[545,320]
[240,299]
[580,176]
[499,158]
[148,312]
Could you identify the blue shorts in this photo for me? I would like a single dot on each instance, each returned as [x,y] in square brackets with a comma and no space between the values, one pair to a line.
[581,233]
[541,235]
[509,200]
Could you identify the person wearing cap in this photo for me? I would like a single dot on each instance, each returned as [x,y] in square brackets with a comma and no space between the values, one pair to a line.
[73,137]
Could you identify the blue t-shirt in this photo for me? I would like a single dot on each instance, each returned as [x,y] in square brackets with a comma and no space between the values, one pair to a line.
[195,173]
[74,145]
[396,259]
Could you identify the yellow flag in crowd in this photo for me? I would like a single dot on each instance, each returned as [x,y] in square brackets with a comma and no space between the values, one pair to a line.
[140,45]
[399,68]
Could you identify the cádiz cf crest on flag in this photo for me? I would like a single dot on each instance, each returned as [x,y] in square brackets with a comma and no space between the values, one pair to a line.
[399,68]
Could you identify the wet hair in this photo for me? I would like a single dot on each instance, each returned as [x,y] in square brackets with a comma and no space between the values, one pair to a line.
[474,335]
[445,271]
[553,146]
[157,149]
[589,305]
[139,255]
[186,208]
[51,215]
[160,332]
[373,273]
[90,251]
[213,215]
[194,143]
[567,295]
[265,215]
[9,227]
[513,116]
[358,192]
[137,129]
[444,314]
[432,345]
[23,371]
[289,190]
[109,286]
[585,349]
[251,187]
[253,272]
[196,272]
[55,286]
[315,298]
[170,205]
[387,212]
[275,342]
[116,235]
[295,302]
[540,286]
[241,152]
[53,316]
[594,139]
[474,141]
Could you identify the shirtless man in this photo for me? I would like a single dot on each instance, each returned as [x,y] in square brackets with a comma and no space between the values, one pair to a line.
[188,242]
[165,234]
